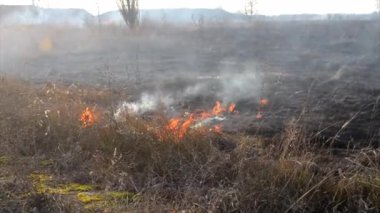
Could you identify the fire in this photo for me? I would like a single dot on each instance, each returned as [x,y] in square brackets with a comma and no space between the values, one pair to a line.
[232,108]
[87,118]
[264,102]
[217,108]
[181,125]
[173,124]
[185,126]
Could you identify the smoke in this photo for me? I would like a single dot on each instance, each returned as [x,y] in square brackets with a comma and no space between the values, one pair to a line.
[228,87]
[239,86]
[146,103]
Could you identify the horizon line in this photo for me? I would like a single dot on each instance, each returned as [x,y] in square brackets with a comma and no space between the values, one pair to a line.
[192,8]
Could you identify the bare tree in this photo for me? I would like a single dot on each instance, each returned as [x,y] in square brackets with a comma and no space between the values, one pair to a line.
[378,6]
[251,7]
[130,11]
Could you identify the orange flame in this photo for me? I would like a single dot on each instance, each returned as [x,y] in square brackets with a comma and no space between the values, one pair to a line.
[264,102]
[218,109]
[87,118]
[232,108]
[179,127]
[173,124]
[185,126]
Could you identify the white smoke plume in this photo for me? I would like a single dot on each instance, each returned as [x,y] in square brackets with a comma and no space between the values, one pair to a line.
[239,86]
[146,103]
[227,87]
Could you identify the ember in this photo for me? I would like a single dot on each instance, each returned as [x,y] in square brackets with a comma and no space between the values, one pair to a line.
[87,118]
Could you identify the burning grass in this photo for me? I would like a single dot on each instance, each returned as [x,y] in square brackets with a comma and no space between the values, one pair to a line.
[180,126]
[165,164]
[88,117]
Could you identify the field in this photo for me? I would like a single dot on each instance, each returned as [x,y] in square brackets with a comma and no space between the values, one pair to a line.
[267,116]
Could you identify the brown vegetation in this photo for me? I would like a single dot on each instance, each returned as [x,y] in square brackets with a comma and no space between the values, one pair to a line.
[51,163]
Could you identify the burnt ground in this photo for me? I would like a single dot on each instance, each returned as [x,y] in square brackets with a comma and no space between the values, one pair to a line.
[321,75]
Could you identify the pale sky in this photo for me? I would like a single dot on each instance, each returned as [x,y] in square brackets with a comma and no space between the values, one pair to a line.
[267,7]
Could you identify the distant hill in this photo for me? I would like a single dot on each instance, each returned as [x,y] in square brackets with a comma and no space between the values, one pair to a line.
[210,15]
[11,15]
[29,15]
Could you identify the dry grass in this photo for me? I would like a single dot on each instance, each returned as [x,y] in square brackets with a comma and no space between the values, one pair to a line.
[40,132]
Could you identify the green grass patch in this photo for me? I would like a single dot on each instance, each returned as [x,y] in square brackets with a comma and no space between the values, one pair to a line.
[44,184]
